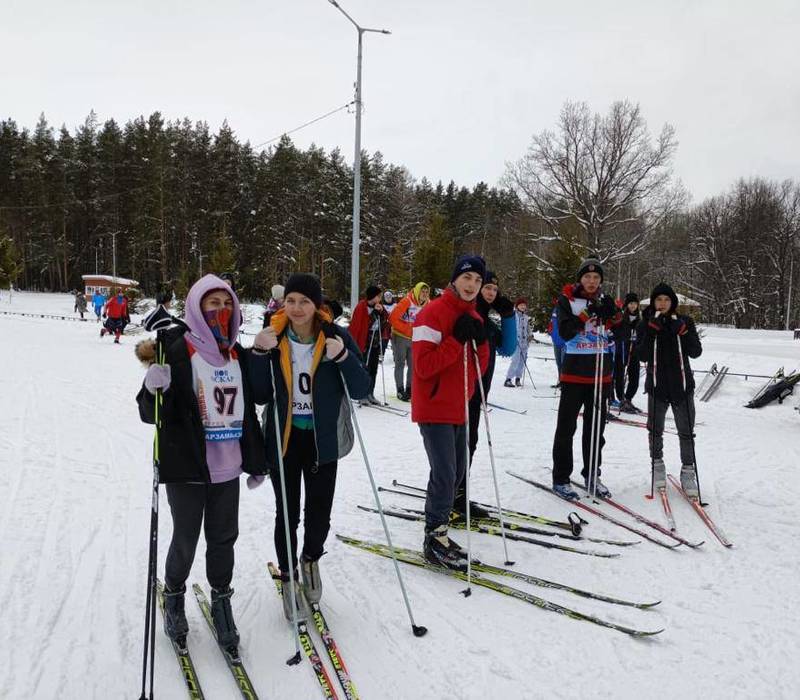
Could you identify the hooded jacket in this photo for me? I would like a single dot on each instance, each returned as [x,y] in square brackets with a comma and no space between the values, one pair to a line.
[502,338]
[658,341]
[184,453]
[580,335]
[626,334]
[437,379]
[333,429]
[405,313]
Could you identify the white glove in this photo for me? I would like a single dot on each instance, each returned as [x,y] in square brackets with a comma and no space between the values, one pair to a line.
[266,340]
[334,349]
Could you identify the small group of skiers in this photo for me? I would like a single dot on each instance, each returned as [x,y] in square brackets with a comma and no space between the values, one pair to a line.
[604,344]
[306,371]
[116,315]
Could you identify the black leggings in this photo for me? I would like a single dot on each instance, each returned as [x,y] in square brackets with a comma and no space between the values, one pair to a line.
[320,484]
[216,507]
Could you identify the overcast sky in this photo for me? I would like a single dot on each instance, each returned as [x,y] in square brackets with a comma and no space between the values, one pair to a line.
[454,93]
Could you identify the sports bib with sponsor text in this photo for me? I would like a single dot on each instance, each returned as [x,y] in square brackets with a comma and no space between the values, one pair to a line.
[220,396]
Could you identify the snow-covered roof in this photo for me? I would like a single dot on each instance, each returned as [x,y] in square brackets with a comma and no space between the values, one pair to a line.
[111,280]
[682,301]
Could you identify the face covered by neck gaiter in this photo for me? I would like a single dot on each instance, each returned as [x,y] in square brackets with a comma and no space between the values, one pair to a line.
[219,321]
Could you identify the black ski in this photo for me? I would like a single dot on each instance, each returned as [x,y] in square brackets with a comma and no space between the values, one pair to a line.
[491,530]
[307,644]
[182,655]
[235,664]
[416,559]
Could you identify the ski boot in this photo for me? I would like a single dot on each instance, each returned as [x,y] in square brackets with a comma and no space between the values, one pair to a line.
[222,616]
[613,403]
[117,334]
[508,383]
[566,491]
[102,332]
[460,508]
[373,401]
[517,382]
[659,474]
[689,481]
[440,550]
[288,611]
[175,625]
[312,583]
[600,489]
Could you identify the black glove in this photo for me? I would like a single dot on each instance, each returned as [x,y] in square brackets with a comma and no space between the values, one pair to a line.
[677,325]
[606,308]
[503,306]
[478,331]
[468,328]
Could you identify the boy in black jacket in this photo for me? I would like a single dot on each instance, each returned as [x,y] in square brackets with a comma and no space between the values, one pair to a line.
[666,342]
[626,360]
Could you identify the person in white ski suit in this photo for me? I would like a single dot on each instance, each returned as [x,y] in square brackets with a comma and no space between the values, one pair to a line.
[520,357]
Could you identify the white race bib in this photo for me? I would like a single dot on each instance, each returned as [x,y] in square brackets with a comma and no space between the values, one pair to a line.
[220,396]
[302,359]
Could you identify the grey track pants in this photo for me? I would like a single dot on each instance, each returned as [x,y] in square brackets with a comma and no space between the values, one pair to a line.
[446,447]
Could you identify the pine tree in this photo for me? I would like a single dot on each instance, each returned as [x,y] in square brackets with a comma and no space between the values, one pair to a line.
[433,257]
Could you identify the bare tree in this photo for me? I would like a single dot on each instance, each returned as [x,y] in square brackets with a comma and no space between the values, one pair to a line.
[603,172]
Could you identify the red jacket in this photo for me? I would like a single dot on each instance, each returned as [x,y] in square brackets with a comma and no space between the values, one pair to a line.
[437,361]
[361,322]
[115,309]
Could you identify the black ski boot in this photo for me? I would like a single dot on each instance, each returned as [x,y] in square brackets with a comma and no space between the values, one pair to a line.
[440,550]
[222,615]
[475,511]
[508,383]
[175,625]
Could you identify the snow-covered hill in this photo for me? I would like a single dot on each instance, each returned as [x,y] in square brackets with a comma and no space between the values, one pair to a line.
[75,468]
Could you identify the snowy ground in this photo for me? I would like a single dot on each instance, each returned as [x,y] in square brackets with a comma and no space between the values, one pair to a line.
[75,465]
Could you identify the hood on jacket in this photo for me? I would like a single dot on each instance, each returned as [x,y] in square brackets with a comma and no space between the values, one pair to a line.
[663,288]
[418,287]
[200,335]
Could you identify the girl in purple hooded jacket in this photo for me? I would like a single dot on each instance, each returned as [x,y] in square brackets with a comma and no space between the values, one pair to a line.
[209,436]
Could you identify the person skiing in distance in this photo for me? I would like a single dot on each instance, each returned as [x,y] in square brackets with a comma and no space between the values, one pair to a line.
[80,304]
[584,313]
[312,357]
[209,436]
[402,320]
[664,337]
[626,359]
[517,367]
[501,338]
[558,341]
[275,303]
[116,315]
[366,329]
[442,342]
[98,302]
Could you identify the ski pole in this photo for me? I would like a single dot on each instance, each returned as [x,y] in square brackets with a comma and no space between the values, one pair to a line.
[468,590]
[418,630]
[294,660]
[383,373]
[594,424]
[533,384]
[690,418]
[159,320]
[491,451]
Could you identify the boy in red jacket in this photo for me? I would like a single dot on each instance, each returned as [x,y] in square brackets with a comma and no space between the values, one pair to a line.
[366,328]
[441,343]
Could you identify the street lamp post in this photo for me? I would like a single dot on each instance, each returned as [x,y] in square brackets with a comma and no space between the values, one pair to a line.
[355,262]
